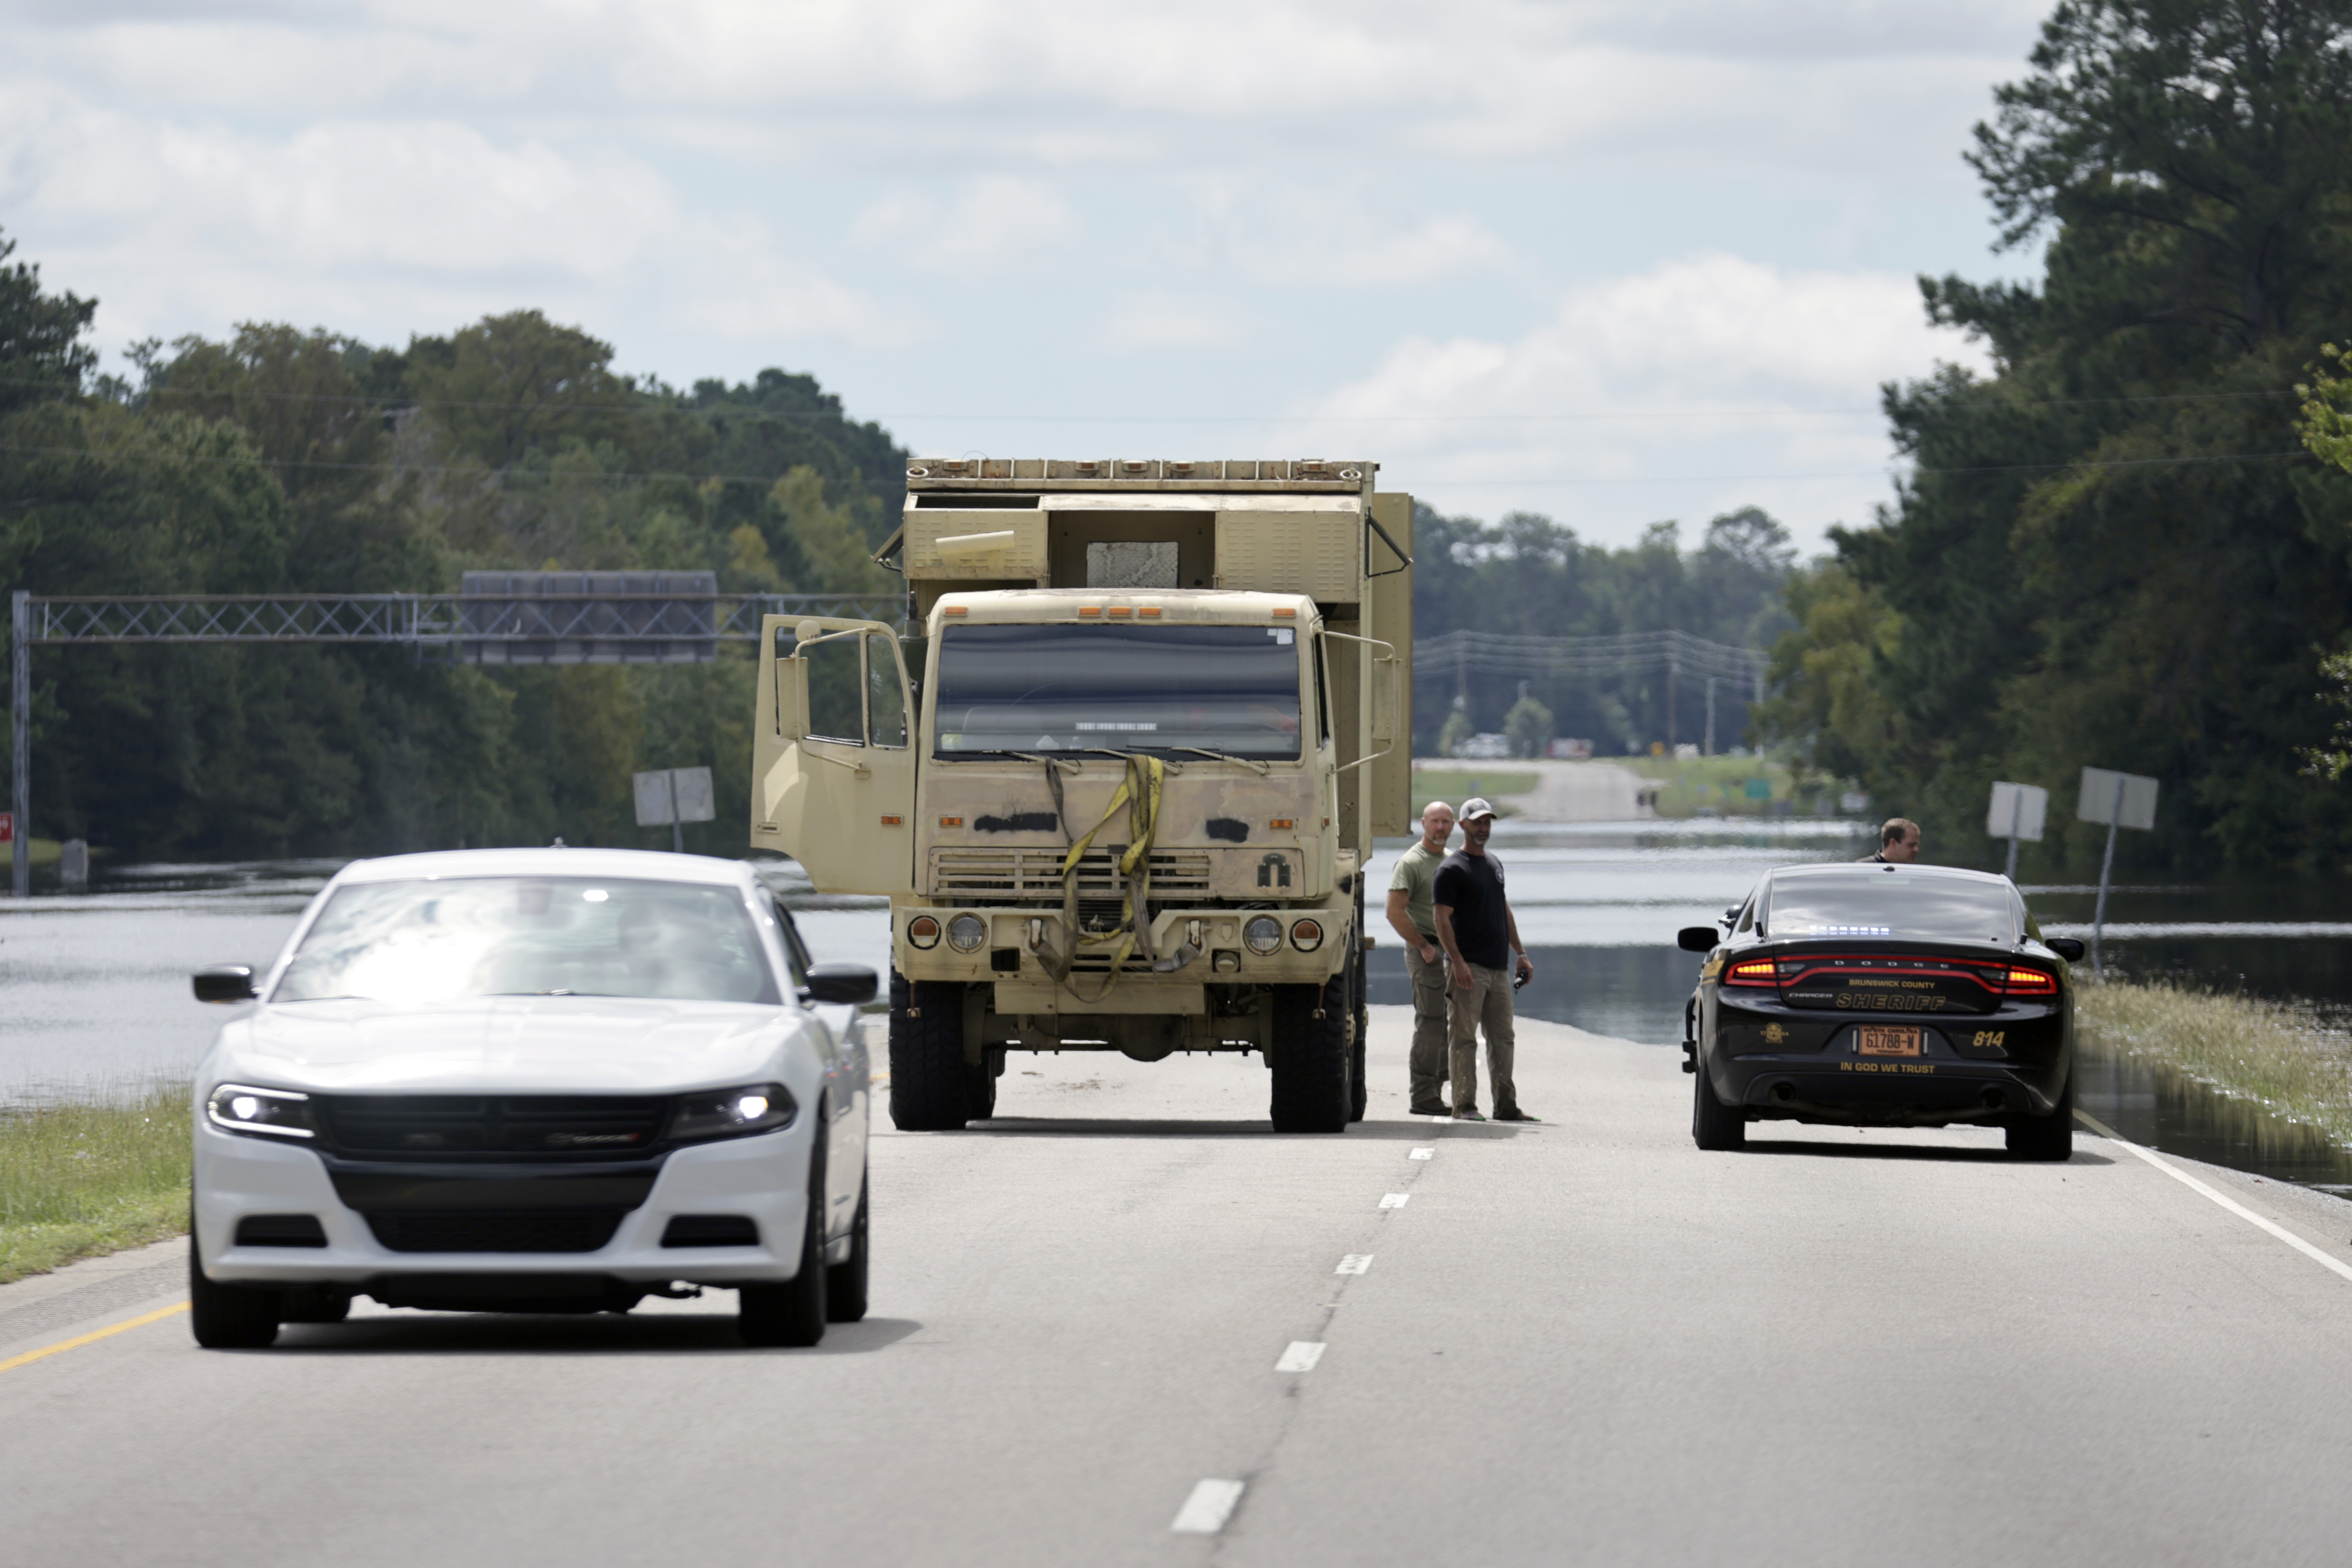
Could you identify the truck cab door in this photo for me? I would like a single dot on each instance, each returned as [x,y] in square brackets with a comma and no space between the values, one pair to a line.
[833,754]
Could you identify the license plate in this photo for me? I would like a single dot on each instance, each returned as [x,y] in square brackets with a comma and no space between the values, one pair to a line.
[1882,1040]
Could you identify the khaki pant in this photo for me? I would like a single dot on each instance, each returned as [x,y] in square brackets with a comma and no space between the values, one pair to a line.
[1486,1000]
[1427,1063]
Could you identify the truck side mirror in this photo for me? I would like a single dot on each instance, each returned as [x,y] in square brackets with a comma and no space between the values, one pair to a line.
[1385,692]
[792,692]
[1697,938]
[234,983]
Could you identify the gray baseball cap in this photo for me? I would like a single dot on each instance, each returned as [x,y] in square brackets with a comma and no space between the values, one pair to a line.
[1475,808]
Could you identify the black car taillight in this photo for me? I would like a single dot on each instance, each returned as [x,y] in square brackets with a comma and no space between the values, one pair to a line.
[1759,972]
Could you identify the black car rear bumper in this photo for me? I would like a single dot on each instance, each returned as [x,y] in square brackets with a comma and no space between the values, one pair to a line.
[1898,1094]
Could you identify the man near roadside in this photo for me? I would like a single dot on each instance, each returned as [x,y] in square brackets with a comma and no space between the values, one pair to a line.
[1476,926]
[1413,918]
[1898,843]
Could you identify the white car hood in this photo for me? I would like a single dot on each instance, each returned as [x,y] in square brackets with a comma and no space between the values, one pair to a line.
[507,1044]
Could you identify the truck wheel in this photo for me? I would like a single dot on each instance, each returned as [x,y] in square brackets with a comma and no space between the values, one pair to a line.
[793,1314]
[228,1317]
[1714,1124]
[1358,1025]
[1311,1088]
[980,1090]
[845,1283]
[931,1088]
[2050,1137]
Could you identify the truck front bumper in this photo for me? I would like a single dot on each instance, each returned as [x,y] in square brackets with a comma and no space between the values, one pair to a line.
[1012,953]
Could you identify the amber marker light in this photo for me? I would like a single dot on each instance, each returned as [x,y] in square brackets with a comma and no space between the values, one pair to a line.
[1286,614]
[1305,936]
[923,931]
[1283,823]
[956,609]
[1088,610]
[1150,612]
[1120,609]
[950,822]
[893,821]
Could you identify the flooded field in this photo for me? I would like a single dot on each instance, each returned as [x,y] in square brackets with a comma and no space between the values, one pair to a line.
[94,986]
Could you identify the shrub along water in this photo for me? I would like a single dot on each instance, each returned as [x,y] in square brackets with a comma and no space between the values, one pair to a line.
[2280,1056]
[88,1177]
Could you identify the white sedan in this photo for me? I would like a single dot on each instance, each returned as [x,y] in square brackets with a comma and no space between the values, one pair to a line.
[533,1081]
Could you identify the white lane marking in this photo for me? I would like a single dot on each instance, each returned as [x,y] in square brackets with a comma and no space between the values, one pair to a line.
[2231,1204]
[1205,1512]
[1354,1263]
[1395,1200]
[1423,1155]
[1301,1357]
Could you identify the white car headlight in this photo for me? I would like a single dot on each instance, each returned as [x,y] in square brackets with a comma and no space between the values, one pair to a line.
[732,1113]
[266,1112]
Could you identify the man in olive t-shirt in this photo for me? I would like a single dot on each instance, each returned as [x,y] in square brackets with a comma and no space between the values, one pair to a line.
[1413,918]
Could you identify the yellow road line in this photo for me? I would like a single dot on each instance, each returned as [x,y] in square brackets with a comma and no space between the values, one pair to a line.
[13,1362]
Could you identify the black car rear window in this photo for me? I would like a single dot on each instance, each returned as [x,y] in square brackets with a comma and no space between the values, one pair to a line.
[1879,904]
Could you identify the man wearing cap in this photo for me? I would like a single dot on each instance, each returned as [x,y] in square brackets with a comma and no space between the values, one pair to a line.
[1480,936]
[1413,918]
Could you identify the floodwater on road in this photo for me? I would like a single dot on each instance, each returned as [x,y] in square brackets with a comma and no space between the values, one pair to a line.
[94,986]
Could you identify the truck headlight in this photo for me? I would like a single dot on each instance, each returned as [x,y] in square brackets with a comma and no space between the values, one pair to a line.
[266,1113]
[966,932]
[923,932]
[1307,934]
[733,1112]
[1262,934]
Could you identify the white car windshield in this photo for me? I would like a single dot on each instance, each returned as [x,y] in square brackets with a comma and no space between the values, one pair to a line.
[455,937]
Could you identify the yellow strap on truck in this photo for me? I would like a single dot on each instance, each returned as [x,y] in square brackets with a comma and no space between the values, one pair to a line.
[1139,792]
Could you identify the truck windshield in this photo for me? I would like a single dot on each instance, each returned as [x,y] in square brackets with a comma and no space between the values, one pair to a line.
[455,937]
[1118,687]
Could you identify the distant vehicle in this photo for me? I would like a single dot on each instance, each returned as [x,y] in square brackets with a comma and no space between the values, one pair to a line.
[1487,746]
[1882,996]
[533,1081]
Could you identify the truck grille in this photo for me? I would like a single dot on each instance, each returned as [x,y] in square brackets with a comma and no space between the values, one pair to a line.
[493,1127]
[1008,874]
[479,1230]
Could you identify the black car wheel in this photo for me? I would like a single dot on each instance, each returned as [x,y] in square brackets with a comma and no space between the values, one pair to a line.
[1714,1124]
[229,1317]
[845,1283]
[793,1314]
[2050,1137]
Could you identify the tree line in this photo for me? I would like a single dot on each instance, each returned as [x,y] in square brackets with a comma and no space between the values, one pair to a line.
[284,460]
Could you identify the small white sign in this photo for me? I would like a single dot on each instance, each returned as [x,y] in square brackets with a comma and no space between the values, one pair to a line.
[2098,802]
[674,794]
[2017,812]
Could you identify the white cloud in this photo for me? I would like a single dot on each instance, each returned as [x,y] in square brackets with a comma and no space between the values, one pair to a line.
[1159,320]
[1694,386]
[993,224]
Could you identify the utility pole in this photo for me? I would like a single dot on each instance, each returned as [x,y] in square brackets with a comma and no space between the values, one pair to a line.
[1673,676]
[1710,716]
[20,757]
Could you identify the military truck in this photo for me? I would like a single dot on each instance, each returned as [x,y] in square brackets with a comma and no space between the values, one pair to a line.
[1162,709]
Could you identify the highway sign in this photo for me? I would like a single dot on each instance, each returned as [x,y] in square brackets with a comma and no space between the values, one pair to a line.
[671,795]
[2134,807]
[2017,811]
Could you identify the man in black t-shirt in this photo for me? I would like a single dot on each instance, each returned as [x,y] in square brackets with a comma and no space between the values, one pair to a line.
[1480,937]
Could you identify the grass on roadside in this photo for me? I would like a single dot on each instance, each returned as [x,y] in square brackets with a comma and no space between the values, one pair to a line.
[78,1179]
[2281,1057]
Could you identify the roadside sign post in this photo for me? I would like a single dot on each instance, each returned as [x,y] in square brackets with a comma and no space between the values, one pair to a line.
[673,797]
[2017,811]
[2120,801]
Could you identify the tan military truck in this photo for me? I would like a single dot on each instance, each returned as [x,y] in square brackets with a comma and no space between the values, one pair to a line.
[1162,709]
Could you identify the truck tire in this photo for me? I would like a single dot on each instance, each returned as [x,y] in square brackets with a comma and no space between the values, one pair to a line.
[1358,1025]
[1311,1088]
[931,1087]
[228,1317]
[793,1314]
[980,1086]
[2050,1137]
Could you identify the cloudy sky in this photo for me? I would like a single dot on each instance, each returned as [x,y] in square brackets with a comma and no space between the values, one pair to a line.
[1611,260]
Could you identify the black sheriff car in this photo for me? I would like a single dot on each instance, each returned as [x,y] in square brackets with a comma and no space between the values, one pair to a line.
[1883,996]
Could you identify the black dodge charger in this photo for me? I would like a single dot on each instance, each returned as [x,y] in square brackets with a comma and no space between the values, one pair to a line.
[1883,996]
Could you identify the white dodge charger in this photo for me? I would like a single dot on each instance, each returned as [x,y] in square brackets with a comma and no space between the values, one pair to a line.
[537,1080]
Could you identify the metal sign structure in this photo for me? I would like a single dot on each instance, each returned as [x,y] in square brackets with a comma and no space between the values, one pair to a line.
[2017,811]
[668,796]
[2120,801]
[628,626]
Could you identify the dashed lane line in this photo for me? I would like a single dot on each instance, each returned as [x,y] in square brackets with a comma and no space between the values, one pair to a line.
[30,1356]
[1354,1263]
[2324,1259]
[1423,1155]
[1212,1503]
[1301,1357]
[1395,1200]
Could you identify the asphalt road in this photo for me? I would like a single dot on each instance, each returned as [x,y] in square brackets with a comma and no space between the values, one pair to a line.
[1582,1342]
